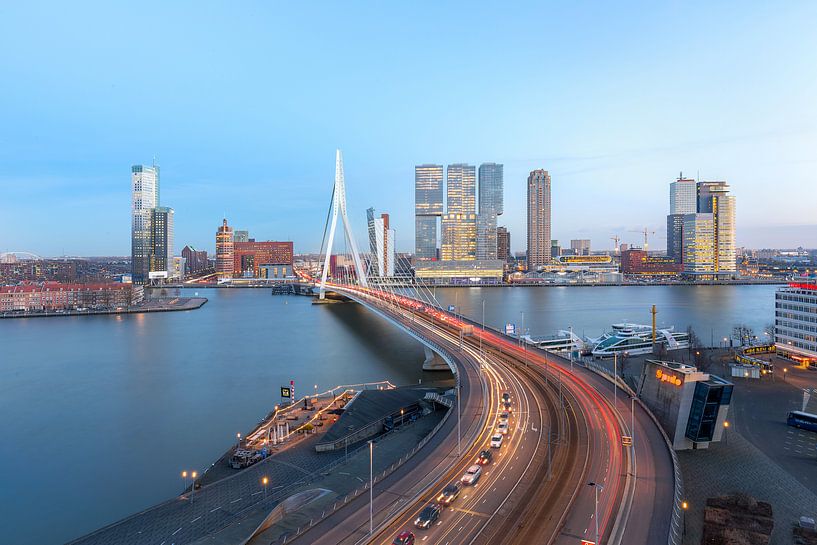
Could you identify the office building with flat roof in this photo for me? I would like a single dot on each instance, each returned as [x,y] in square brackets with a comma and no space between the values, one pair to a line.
[795,321]
[491,206]
[161,239]
[428,207]
[503,244]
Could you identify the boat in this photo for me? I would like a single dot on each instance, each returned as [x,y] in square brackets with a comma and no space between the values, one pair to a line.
[628,339]
[563,342]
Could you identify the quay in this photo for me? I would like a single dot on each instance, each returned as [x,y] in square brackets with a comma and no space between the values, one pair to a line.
[149,305]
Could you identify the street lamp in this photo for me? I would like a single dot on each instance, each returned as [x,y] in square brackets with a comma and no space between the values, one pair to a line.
[238,440]
[785,371]
[725,429]
[371,486]
[265,482]
[684,507]
[193,476]
[597,487]
[184,477]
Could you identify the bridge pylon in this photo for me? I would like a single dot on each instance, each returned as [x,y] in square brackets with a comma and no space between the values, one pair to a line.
[339,206]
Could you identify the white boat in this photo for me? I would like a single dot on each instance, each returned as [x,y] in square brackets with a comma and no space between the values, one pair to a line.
[633,339]
[563,342]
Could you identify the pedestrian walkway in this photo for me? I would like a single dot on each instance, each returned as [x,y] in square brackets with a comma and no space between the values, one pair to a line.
[739,466]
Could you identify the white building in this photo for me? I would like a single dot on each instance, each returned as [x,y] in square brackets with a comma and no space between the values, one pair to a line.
[709,235]
[144,197]
[381,245]
[795,321]
[683,196]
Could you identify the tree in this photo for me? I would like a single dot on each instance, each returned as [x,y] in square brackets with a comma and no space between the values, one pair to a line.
[743,334]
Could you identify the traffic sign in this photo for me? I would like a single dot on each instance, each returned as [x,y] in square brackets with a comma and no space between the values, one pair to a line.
[451,308]
[286,392]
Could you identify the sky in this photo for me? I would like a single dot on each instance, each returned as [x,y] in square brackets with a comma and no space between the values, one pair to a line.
[243,106]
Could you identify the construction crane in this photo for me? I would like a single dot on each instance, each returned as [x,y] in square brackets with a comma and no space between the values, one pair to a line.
[615,239]
[646,232]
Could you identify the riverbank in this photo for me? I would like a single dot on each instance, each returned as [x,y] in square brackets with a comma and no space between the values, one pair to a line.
[746,282]
[152,305]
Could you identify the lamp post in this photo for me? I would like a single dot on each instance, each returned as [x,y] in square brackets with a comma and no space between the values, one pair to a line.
[483,326]
[725,429]
[615,379]
[597,487]
[265,481]
[632,420]
[371,485]
[785,371]
[238,440]
[684,507]
[184,477]
[193,476]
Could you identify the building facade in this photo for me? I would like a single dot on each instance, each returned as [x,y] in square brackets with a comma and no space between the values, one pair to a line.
[683,196]
[241,236]
[675,237]
[249,256]
[161,239]
[54,296]
[224,251]
[636,261]
[795,321]
[471,272]
[491,206]
[580,246]
[459,241]
[381,245]
[195,260]
[503,244]
[709,249]
[538,248]
[428,207]
[144,197]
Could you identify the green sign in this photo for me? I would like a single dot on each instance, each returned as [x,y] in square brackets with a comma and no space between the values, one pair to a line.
[286,392]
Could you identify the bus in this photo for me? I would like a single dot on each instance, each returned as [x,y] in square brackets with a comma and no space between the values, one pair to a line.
[799,419]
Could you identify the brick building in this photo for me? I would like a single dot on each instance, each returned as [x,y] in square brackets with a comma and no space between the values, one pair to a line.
[637,261]
[51,296]
[249,256]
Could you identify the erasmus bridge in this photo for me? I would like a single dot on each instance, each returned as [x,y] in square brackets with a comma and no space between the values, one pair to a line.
[583,463]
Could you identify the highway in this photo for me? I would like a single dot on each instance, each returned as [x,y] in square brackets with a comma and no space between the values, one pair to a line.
[495,511]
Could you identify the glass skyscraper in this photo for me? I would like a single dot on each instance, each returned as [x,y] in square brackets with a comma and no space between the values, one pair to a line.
[161,239]
[491,205]
[144,197]
[428,206]
[459,225]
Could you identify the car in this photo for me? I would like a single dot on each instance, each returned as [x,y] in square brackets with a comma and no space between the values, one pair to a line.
[471,475]
[496,441]
[502,428]
[449,494]
[428,515]
[404,538]
[504,416]
[485,458]
[507,406]
[506,397]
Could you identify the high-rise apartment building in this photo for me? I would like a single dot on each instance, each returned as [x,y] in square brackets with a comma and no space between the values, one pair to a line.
[144,197]
[538,253]
[503,244]
[161,239]
[381,245]
[224,251]
[428,206]
[460,187]
[195,260]
[491,206]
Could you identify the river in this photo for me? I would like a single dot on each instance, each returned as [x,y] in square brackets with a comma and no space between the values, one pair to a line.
[100,414]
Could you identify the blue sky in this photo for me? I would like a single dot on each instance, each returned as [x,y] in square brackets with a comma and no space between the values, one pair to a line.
[244,104]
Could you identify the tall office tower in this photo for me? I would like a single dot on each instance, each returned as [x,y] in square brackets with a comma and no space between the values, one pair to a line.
[491,205]
[241,236]
[503,244]
[381,244]
[144,197]
[461,187]
[683,200]
[580,246]
[538,219]
[459,224]
[428,206]
[224,251]
[709,251]
[161,239]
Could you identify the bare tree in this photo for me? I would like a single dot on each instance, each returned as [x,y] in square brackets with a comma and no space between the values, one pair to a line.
[743,334]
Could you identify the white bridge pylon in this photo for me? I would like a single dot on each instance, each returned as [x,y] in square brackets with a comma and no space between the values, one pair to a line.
[339,205]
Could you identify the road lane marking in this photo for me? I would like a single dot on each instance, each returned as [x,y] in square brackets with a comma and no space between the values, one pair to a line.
[216,509]
[195,519]
[177,531]
[239,499]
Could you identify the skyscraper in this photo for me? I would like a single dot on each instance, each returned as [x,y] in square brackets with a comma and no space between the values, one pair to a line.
[503,244]
[459,223]
[224,251]
[161,239]
[381,245]
[144,197]
[241,236]
[491,205]
[682,200]
[580,246]
[538,253]
[709,246]
[428,206]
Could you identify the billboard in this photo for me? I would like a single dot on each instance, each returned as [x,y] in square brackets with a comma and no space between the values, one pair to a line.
[286,392]
[157,274]
[510,329]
